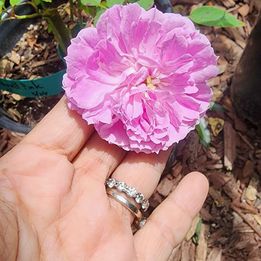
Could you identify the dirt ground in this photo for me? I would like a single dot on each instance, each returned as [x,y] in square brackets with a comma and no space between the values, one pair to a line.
[229,224]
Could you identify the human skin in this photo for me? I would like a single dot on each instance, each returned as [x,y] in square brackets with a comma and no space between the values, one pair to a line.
[54,206]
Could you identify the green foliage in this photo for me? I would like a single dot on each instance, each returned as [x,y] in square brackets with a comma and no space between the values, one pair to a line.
[48,1]
[195,237]
[146,4]
[37,2]
[110,3]
[203,132]
[98,14]
[213,16]
[91,2]
[2,2]
[15,2]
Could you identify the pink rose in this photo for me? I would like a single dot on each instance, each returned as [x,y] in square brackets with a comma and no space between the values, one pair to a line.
[140,77]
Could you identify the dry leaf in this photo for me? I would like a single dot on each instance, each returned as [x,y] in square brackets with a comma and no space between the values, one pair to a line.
[222,64]
[244,10]
[215,255]
[67,9]
[15,57]
[187,251]
[229,146]
[229,3]
[31,40]
[16,97]
[214,81]
[216,125]
[14,114]
[217,93]
[251,193]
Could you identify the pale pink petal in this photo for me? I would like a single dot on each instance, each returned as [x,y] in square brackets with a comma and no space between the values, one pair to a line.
[141,77]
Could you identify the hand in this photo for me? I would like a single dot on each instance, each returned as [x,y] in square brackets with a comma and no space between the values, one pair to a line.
[54,206]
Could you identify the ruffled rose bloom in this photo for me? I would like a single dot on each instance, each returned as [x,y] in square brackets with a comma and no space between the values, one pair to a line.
[140,77]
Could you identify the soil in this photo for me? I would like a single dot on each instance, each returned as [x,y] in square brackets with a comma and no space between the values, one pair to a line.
[35,55]
[229,225]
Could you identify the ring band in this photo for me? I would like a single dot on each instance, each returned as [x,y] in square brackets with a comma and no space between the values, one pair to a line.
[124,202]
[121,186]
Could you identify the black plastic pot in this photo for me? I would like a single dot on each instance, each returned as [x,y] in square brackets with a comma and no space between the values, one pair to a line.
[10,32]
[164,6]
[246,84]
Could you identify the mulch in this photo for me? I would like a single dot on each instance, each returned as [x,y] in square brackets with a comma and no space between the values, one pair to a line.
[229,225]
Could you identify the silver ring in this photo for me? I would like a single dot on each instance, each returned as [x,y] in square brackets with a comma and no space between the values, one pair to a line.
[129,191]
[125,203]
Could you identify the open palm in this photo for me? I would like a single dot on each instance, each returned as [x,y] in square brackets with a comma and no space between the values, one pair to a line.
[54,206]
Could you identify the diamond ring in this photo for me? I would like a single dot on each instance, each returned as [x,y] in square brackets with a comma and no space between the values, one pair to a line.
[129,191]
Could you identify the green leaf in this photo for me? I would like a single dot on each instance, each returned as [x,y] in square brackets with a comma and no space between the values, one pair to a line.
[146,4]
[89,10]
[203,132]
[15,2]
[2,2]
[110,3]
[37,2]
[48,1]
[213,16]
[195,237]
[97,16]
[91,2]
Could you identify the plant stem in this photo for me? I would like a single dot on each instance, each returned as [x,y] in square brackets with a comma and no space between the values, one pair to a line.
[21,17]
[71,10]
[79,13]
[60,31]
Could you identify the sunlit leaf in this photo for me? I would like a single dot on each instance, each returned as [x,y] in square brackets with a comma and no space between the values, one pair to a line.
[195,238]
[110,3]
[37,2]
[146,4]
[91,2]
[213,16]
[203,132]
[97,16]
[1,5]
[15,2]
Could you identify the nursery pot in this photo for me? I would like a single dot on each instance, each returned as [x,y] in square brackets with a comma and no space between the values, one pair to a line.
[246,84]
[10,32]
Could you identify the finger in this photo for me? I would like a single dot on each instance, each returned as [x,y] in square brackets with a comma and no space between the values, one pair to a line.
[141,171]
[97,160]
[62,131]
[169,223]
